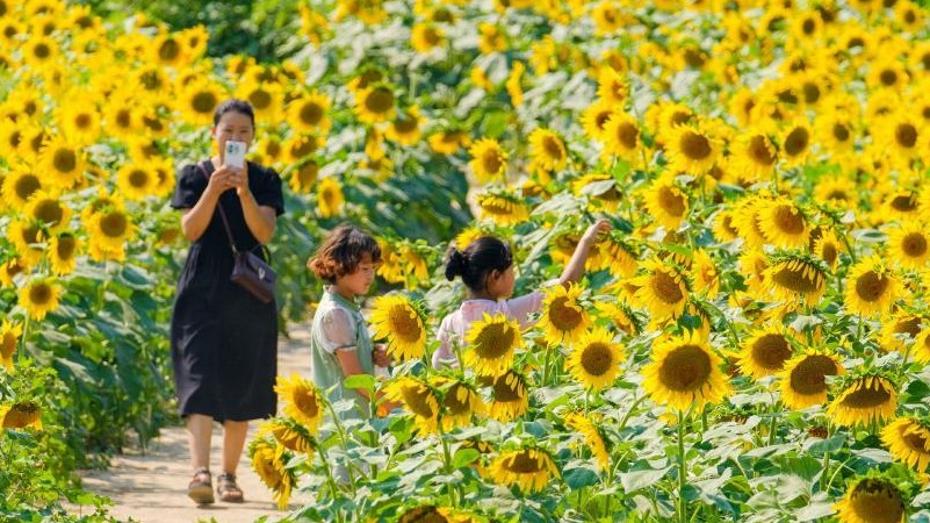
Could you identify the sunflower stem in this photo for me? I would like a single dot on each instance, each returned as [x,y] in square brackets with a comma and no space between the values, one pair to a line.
[22,340]
[826,464]
[447,458]
[343,437]
[545,376]
[329,472]
[682,469]
[773,426]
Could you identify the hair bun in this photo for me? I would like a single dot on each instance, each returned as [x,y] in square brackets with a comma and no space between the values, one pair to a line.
[455,264]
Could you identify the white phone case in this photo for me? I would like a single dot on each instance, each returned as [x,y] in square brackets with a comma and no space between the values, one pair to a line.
[235,154]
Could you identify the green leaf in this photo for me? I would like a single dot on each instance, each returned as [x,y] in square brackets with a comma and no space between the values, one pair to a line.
[464,457]
[360,381]
[640,479]
[580,477]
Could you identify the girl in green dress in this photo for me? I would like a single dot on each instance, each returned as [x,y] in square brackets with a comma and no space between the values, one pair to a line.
[340,344]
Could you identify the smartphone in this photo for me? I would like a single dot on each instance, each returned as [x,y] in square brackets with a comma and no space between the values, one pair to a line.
[235,154]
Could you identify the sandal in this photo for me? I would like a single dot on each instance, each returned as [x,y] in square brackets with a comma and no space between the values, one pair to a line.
[227,489]
[200,488]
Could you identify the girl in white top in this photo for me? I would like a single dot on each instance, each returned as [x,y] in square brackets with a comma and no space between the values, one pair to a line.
[486,268]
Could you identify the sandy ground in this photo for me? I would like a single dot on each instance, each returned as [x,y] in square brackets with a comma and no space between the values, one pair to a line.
[153,487]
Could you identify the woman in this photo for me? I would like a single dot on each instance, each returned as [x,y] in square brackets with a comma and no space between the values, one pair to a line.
[223,340]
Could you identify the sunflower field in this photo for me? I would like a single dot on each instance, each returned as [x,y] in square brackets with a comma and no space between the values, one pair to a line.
[751,340]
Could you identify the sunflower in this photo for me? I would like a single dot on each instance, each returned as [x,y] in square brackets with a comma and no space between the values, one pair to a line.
[62,160]
[269,463]
[724,228]
[406,127]
[509,396]
[265,97]
[489,161]
[797,279]
[289,434]
[692,148]
[684,373]
[901,205]
[375,104]
[490,344]
[909,245]
[900,326]
[10,269]
[803,378]
[621,137]
[563,319]
[705,277]
[40,51]
[766,352]
[908,441]
[796,141]
[871,500]
[618,315]
[110,230]
[460,402]
[79,120]
[62,253]
[529,468]
[595,360]
[754,155]
[48,211]
[867,399]
[662,289]
[836,132]
[302,401]
[39,296]
[871,288]
[21,415]
[615,256]
[309,112]
[448,142]
[594,119]
[329,198]
[424,37]
[592,437]
[503,208]
[9,340]
[136,181]
[394,317]
[901,134]
[199,100]
[828,247]
[783,224]
[666,203]
[418,398]
[513,85]
[547,150]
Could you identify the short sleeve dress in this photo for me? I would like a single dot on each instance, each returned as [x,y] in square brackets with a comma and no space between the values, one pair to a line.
[224,341]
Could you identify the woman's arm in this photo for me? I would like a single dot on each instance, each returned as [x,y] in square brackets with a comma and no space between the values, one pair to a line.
[260,219]
[575,267]
[196,219]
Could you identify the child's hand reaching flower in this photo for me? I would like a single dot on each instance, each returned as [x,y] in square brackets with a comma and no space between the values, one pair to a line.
[381,356]
[595,230]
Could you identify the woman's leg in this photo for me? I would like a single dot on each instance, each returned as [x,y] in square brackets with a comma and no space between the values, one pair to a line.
[234,433]
[199,430]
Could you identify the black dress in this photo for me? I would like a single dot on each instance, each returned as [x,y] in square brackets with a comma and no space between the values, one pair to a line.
[224,342]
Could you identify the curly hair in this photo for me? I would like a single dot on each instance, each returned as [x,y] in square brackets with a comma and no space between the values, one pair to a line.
[341,252]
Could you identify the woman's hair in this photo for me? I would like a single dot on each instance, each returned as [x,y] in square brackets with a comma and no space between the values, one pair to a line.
[341,252]
[482,256]
[234,105]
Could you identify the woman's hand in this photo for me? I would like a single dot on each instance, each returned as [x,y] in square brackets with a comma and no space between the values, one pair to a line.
[240,180]
[220,181]
[591,234]
[380,356]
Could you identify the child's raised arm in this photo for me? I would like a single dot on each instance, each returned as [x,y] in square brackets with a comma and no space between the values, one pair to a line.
[575,267]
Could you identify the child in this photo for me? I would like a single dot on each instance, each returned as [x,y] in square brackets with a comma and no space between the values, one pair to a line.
[340,344]
[486,268]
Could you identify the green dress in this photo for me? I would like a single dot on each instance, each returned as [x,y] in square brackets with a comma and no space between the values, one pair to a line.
[338,324]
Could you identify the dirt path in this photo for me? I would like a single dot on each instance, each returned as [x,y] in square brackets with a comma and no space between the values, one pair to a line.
[153,487]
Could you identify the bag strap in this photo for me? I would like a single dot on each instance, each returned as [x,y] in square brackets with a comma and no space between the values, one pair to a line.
[219,206]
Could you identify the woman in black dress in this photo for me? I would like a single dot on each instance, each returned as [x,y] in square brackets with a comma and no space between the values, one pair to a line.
[223,340]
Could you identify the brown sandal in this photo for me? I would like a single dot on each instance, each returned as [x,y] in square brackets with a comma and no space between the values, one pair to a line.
[200,488]
[227,489]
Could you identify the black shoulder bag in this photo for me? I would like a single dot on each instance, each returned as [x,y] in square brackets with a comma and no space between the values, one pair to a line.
[249,270]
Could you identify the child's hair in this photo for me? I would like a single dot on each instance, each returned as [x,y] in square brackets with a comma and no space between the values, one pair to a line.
[234,105]
[341,252]
[482,256]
